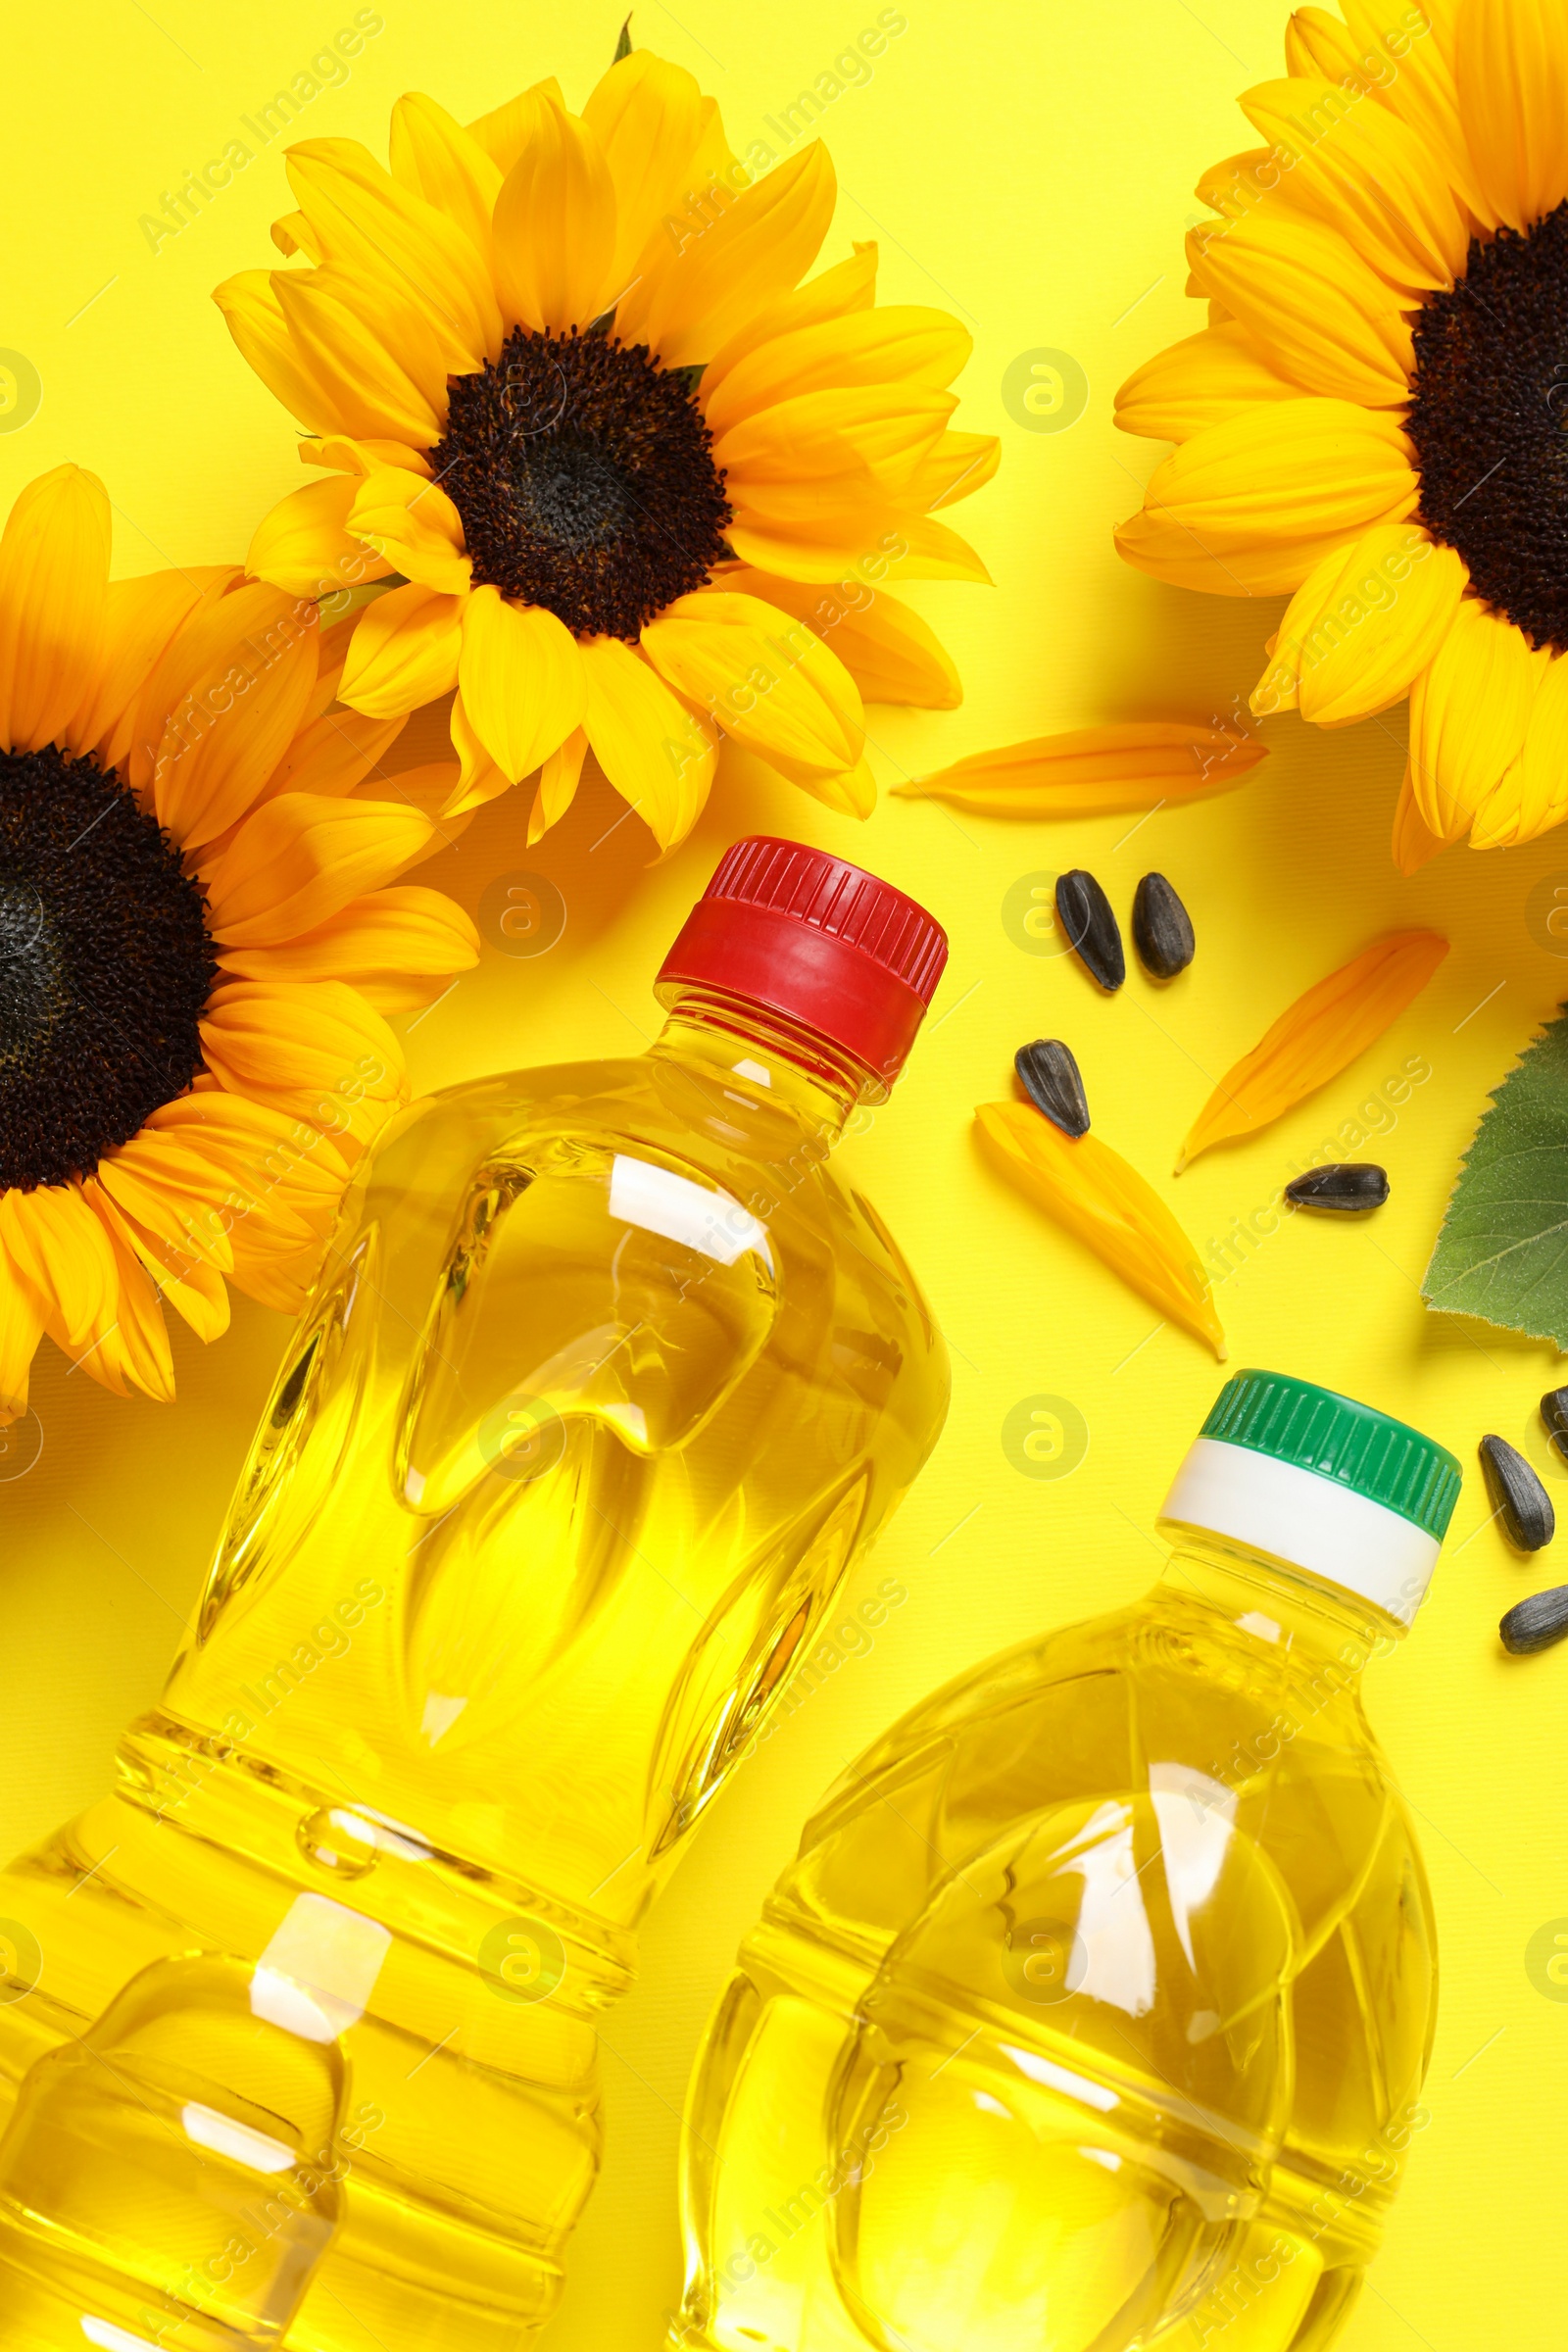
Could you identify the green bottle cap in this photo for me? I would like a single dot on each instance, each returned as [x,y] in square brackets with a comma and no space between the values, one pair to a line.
[1315,1429]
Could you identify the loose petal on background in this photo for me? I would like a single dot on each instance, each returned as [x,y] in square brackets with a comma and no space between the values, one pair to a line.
[1096,771]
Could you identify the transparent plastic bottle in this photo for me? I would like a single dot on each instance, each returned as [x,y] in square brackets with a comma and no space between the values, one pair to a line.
[607,1381]
[1094,2012]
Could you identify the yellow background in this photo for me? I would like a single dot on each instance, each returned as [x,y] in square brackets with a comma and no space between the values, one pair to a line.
[1029,165]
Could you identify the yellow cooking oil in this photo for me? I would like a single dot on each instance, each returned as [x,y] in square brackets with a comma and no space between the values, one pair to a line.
[608,1381]
[1093,2012]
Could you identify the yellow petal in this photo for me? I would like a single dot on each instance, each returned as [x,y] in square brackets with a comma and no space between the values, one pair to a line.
[305,544]
[646,116]
[340,453]
[140,616]
[196,1292]
[1312,306]
[403,652]
[1321,1034]
[298,860]
[311,1049]
[406,931]
[333,753]
[1511,72]
[836,293]
[889,650]
[447,166]
[378,370]
[1276,690]
[1359,637]
[899,344]
[653,750]
[521,680]
[852,792]
[1248,507]
[1091,1190]
[503,133]
[767,680]
[558,785]
[480,778]
[1366,174]
[129,1349]
[54,581]
[1386,51]
[1540,781]
[64,1253]
[1413,847]
[1096,771]
[1212,375]
[222,709]
[385,234]
[1469,715]
[700,284]
[255,318]
[555,225]
[916,547]
[860,446]
[414,525]
[955,467]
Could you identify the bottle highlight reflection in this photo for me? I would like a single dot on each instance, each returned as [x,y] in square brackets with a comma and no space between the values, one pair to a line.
[607,1381]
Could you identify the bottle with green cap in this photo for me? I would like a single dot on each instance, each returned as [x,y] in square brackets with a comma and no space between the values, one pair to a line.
[1093,2013]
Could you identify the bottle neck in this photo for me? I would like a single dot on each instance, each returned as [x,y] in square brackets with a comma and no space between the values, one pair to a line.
[792,1069]
[1303,1622]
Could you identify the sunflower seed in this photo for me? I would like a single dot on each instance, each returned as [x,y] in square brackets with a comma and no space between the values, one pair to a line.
[1049,1076]
[1518,1497]
[1554,1414]
[1087,924]
[1348,1185]
[1535,1623]
[1162,929]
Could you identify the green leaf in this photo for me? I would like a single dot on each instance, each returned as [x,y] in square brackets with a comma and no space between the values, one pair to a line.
[624,45]
[1502,1252]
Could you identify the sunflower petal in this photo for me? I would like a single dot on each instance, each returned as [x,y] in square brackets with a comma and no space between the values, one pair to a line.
[701,283]
[955,467]
[892,654]
[404,651]
[478,779]
[1511,72]
[222,708]
[520,677]
[1096,771]
[404,933]
[854,447]
[446,165]
[131,1351]
[1315,1038]
[1210,377]
[1469,717]
[305,544]
[196,1292]
[414,525]
[20,1329]
[503,133]
[312,1050]
[1540,794]
[558,785]
[1365,174]
[1413,845]
[298,860]
[1361,629]
[255,318]
[653,750]
[62,1252]
[54,581]
[383,232]
[334,753]
[1312,306]
[140,618]
[646,116]
[1410,73]
[555,225]
[898,344]
[837,293]
[1248,507]
[767,680]
[376,367]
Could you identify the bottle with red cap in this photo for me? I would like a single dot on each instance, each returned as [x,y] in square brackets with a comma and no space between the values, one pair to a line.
[607,1384]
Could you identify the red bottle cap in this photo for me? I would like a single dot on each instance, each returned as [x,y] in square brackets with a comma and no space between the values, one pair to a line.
[800,933]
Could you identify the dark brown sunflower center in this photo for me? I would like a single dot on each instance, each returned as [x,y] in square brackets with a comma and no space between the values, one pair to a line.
[585,479]
[1490,424]
[105,966]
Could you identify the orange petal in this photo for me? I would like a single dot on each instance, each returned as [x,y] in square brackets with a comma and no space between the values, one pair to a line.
[312,1051]
[1413,845]
[222,709]
[140,618]
[406,931]
[62,1251]
[20,1329]
[54,581]
[1096,771]
[299,859]
[522,681]
[558,785]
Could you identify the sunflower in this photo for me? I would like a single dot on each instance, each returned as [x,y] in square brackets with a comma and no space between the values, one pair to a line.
[1373,419]
[196,950]
[633,476]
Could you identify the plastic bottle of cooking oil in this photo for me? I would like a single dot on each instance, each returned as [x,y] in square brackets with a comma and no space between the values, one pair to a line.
[1095,2011]
[607,1381]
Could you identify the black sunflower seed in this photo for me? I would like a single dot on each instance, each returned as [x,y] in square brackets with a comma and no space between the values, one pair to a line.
[1347,1184]
[1162,929]
[1554,1414]
[1518,1497]
[1535,1623]
[1049,1076]
[1088,925]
